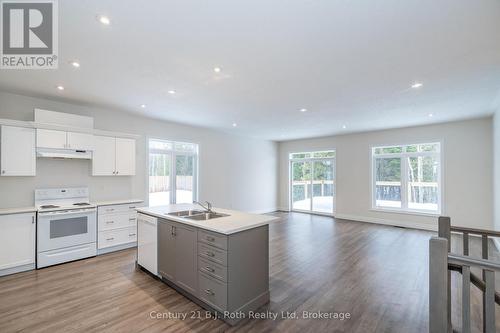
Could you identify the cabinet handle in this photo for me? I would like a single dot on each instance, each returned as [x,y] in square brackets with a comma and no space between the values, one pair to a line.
[117,172]
[209,292]
[110,209]
[210,269]
[110,239]
[3,171]
[210,254]
[32,220]
[131,234]
[210,239]
[132,219]
[131,207]
[110,222]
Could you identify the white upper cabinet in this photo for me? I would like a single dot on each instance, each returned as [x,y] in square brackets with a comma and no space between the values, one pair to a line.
[103,160]
[64,140]
[50,139]
[80,141]
[113,156]
[17,151]
[125,157]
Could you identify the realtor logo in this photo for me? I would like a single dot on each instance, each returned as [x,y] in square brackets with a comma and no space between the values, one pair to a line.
[29,34]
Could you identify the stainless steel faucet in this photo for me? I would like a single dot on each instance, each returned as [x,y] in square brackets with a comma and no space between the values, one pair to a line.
[208,208]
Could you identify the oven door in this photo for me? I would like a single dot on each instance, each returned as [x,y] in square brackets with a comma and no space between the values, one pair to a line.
[61,229]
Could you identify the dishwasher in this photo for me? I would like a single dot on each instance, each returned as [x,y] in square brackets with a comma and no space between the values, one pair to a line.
[147,248]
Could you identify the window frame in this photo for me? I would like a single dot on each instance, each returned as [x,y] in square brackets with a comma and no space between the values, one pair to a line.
[173,153]
[404,177]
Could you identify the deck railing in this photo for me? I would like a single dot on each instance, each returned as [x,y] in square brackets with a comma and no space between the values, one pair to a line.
[442,262]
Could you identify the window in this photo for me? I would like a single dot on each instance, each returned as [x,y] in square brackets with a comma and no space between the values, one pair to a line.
[407,177]
[312,181]
[172,172]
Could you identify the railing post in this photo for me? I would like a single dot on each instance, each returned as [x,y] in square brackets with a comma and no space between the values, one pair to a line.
[439,313]
[444,231]
[484,255]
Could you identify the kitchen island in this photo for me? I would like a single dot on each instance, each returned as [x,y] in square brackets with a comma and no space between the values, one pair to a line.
[221,263]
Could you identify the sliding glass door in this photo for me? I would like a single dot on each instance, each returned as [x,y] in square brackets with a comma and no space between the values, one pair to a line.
[312,187]
[172,172]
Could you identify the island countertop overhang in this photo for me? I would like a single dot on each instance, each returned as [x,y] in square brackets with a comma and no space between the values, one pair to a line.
[236,221]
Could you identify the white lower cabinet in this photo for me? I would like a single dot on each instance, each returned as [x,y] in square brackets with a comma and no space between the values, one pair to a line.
[17,243]
[117,227]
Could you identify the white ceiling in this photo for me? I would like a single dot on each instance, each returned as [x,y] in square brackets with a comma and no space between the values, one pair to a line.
[348,62]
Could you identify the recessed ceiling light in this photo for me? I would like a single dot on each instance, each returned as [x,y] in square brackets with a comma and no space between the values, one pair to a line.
[143,106]
[217,69]
[104,19]
[171,92]
[430,115]
[60,88]
[235,124]
[303,110]
[344,126]
[75,64]
[417,85]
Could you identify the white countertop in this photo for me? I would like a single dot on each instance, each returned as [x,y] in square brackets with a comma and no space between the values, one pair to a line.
[117,202]
[8,211]
[236,221]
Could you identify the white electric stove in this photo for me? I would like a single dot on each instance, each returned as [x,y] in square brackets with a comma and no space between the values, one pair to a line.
[66,225]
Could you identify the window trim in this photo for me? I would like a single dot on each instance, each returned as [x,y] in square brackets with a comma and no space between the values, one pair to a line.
[173,155]
[404,173]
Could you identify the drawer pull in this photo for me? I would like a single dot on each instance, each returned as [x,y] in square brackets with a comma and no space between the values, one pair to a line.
[210,239]
[110,222]
[110,239]
[210,269]
[132,219]
[131,207]
[210,254]
[110,210]
[131,234]
[209,292]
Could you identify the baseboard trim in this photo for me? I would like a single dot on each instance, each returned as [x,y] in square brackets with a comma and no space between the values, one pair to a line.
[375,220]
[18,269]
[116,248]
[264,211]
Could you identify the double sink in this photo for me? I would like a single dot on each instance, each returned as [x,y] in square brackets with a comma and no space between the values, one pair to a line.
[197,215]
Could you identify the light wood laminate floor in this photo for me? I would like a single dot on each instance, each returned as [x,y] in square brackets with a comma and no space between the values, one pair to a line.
[378,274]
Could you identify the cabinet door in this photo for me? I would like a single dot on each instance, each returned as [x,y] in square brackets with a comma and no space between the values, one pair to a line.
[103,158]
[18,155]
[166,249]
[80,141]
[125,157]
[186,261]
[17,240]
[50,139]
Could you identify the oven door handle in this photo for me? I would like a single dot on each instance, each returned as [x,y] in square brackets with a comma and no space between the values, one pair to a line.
[66,212]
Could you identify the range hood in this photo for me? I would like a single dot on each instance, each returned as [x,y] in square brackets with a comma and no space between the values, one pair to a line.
[64,153]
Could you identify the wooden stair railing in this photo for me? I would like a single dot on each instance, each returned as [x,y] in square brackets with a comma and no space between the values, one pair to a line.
[442,262]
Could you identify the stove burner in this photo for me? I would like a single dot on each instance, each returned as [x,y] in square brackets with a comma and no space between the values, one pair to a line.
[81,204]
[48,206]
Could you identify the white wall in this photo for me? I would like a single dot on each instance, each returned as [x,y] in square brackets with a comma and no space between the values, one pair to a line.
[496,171]
[235,172]
[467,172]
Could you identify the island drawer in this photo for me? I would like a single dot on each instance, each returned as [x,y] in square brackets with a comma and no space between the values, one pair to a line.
[212,269]
[212,253]
[212,291]
[212,238]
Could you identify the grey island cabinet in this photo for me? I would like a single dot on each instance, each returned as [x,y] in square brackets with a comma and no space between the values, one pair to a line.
[222,264]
